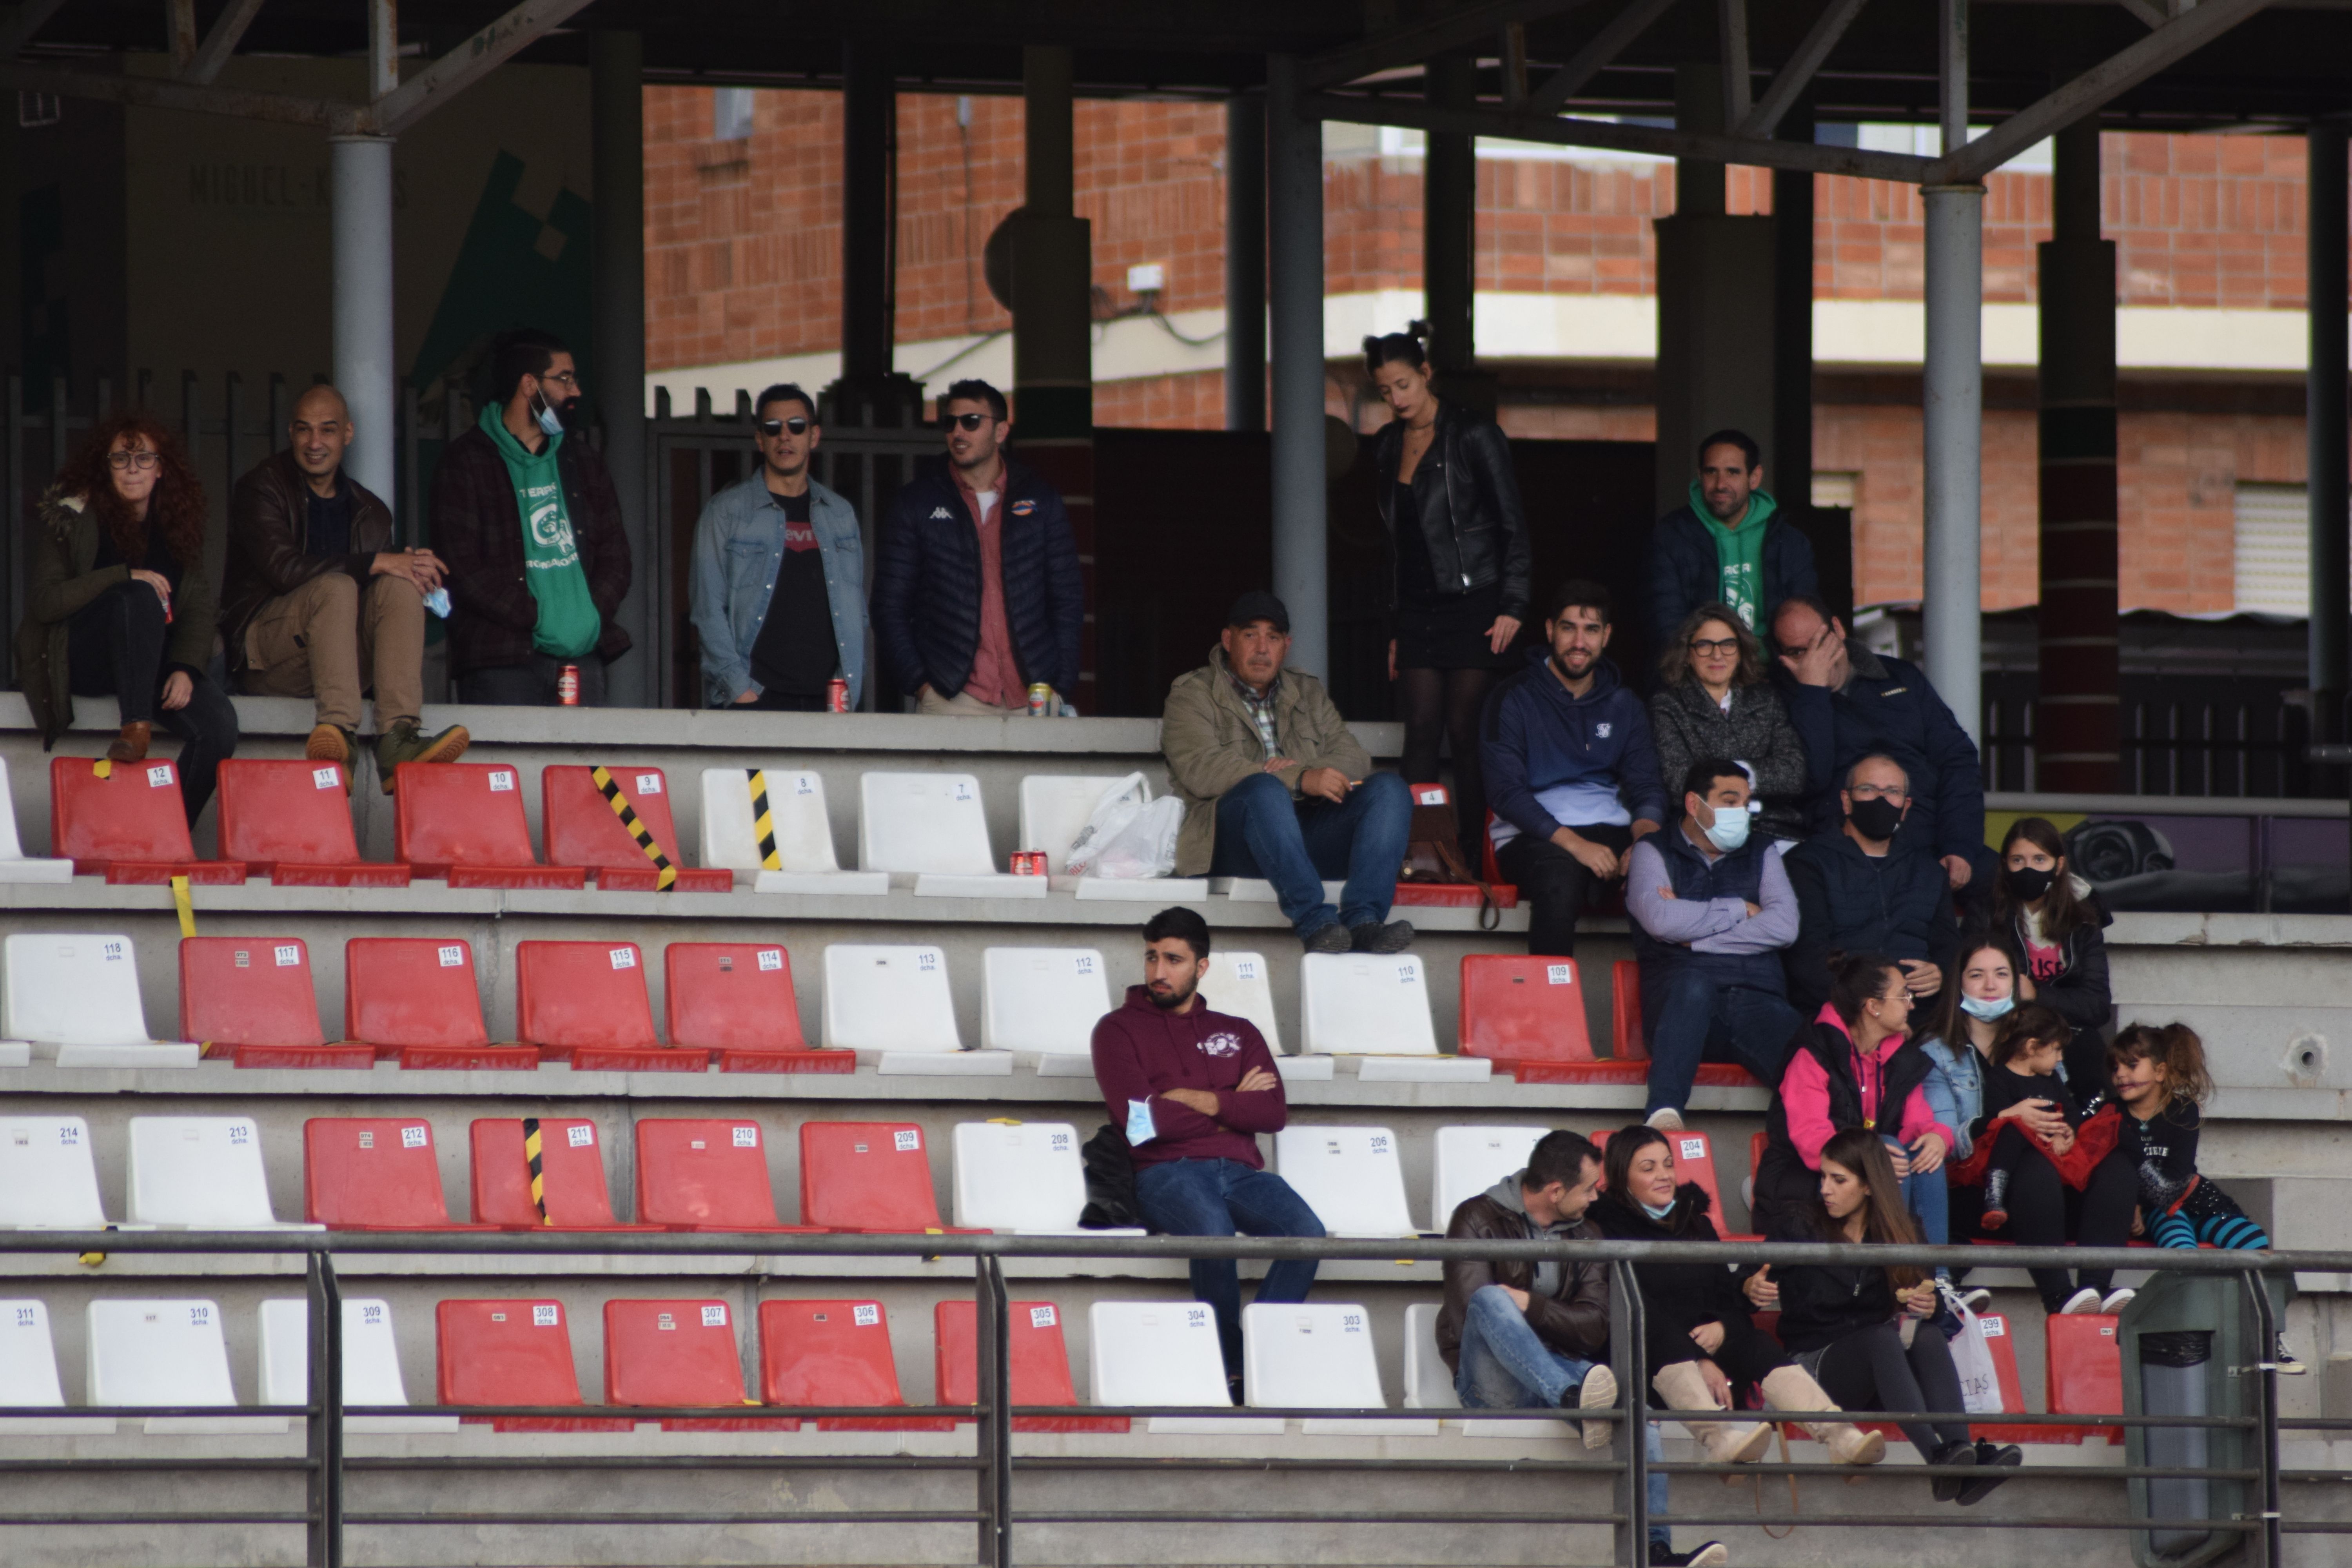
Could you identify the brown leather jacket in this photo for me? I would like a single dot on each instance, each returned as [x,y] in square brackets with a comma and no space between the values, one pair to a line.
[1575,1321]
[268,513]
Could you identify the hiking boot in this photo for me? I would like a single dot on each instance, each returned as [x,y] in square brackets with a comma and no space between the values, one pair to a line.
[1373,937]
[403,743]
[334,743]
[1331,938]
[131,746]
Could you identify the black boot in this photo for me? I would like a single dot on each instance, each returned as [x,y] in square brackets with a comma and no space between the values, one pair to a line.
[1948,1488]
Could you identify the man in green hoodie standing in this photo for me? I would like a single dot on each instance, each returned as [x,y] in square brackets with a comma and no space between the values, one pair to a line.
[528,520]
[1728,545]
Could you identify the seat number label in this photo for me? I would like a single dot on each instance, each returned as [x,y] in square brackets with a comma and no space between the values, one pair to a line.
[1994,1328]
[544,1317]
[803,784]
[1085,962]
[1408,974]
[771,958]
[324,778]
[1040,1317]
[714,1316]
[907,1140]
[288,956]
[159,775]
[580,1136]
[1561,973]
[451,957]
[1693,1149]
[1245,969]
[747,1138]
[624,958]
[650,783]
[501,782]
[414,1136]
[865,1315]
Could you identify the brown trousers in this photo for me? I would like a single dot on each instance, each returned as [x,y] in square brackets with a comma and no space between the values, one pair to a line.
[332,639]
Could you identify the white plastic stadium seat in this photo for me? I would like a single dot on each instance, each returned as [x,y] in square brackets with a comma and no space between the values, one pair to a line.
[1469,1160]
[78,995]
[169,1353]
[48,1180]
[1241,983]
[796,811]
[1351,1176]
[14,865]
[1364,1005]
[1309,1356]
[1024,1177]
[887,999]
[1428,1385]
[933,825]
[1166,1354]
[1045,999]
[371,1363]
[200,1173]
[28,1376]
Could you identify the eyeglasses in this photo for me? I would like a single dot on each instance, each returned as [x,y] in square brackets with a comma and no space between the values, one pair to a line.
[1902,997]
[969,421]
[139,458]
[562,378]
[1876,792]
[1707,648]
[797,424]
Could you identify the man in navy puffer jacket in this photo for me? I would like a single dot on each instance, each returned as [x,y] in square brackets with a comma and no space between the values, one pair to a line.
[977,595]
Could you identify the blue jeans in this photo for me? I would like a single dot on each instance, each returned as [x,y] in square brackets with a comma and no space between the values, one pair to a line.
[1221,1197]
[1927,1198]
[1696,1019]
[1262,832]
[1506,1366]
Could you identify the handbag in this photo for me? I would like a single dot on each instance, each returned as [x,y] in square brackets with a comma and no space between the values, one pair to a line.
[1433,850]
[1972,1357]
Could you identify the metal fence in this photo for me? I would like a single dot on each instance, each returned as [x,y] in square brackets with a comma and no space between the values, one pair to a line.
[995,1514]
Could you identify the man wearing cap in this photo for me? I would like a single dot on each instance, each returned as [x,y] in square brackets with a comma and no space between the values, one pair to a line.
[1274,785]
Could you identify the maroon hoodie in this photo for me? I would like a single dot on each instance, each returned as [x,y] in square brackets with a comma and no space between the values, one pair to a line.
[1142,1051]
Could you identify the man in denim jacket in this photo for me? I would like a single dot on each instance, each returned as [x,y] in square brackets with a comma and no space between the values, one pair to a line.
[779,575]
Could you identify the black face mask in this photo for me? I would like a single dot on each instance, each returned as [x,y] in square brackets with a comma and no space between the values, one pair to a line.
[1876,818]
[2026,884]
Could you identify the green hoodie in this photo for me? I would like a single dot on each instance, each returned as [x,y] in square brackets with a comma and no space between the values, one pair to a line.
[569,624]
[1738,552]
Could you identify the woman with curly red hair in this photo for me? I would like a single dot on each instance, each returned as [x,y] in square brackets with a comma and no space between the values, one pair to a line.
[120,603]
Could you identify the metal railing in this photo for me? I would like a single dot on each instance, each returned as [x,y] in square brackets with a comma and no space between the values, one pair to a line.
[325,1465]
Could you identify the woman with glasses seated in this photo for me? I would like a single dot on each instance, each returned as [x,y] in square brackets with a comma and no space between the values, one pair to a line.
[1713,701]
[119,602]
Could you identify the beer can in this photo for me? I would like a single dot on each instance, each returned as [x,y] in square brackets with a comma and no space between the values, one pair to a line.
[567,686]
[837,696]
[1041,697]
[1028,862]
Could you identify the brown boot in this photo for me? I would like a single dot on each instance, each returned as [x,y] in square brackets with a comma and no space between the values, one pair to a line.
[131,746]
[331,743]
[403,743]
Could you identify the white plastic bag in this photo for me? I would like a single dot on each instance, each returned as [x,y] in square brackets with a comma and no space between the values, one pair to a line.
[1118,806]
[1972,1358]
[1146,846]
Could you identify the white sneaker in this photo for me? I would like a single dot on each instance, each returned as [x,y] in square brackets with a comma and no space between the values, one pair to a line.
[2117,1301]
[1666,1119]
[1975,1300]
[1599,1393]
[2084,1301]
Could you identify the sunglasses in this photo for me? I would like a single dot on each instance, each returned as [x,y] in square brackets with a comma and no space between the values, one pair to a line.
[798,425]
[969,421]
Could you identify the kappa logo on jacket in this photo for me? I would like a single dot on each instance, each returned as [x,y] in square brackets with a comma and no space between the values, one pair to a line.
[1223,1043]
[939,513]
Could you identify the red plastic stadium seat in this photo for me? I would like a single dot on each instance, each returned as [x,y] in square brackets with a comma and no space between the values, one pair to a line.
[415,1000]
[582,829]
[373,1172]
[292,822]
[463,821]
[736,998]
[868,1177]
[511,1352]
[679,1353]
[131,826]
[250,998]
[1625,1041]
[1041,1363]
[570,1169]
[2084,1372]
[1527,1015]
[706,1175]
[584,1002]
[835,1353]
[1999,1340]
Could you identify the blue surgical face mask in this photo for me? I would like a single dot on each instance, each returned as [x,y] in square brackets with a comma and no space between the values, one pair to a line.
[549,419]
[1999,1007]
[1730,829]
[1661,1212]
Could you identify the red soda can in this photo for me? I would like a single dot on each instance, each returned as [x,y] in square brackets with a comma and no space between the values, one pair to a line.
[567,686]
[1028,862]
[837,696]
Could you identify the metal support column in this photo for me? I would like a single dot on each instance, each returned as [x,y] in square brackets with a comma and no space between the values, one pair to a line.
[2327,432]
[366,370]
[323,1426]
[1246,261]
[1629,1444]
[1449,233]
[2077,722]
[1954,397]
[617,141]
[1294,203]
[993,1383]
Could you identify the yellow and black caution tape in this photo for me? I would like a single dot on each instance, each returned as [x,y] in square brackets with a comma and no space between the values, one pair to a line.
[537,1176]
[186,907]
[103,768]
[763,823]
[609,789]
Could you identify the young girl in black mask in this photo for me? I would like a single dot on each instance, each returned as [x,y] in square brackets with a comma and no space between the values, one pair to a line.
[2056,922]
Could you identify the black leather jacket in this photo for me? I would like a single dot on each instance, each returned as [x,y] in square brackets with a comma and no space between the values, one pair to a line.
[1476,533]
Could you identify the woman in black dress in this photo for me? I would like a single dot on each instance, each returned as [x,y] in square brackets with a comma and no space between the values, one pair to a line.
[1451,504]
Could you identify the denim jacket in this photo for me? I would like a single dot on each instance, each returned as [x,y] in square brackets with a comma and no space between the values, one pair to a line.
[739,545]
[1955,1089]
